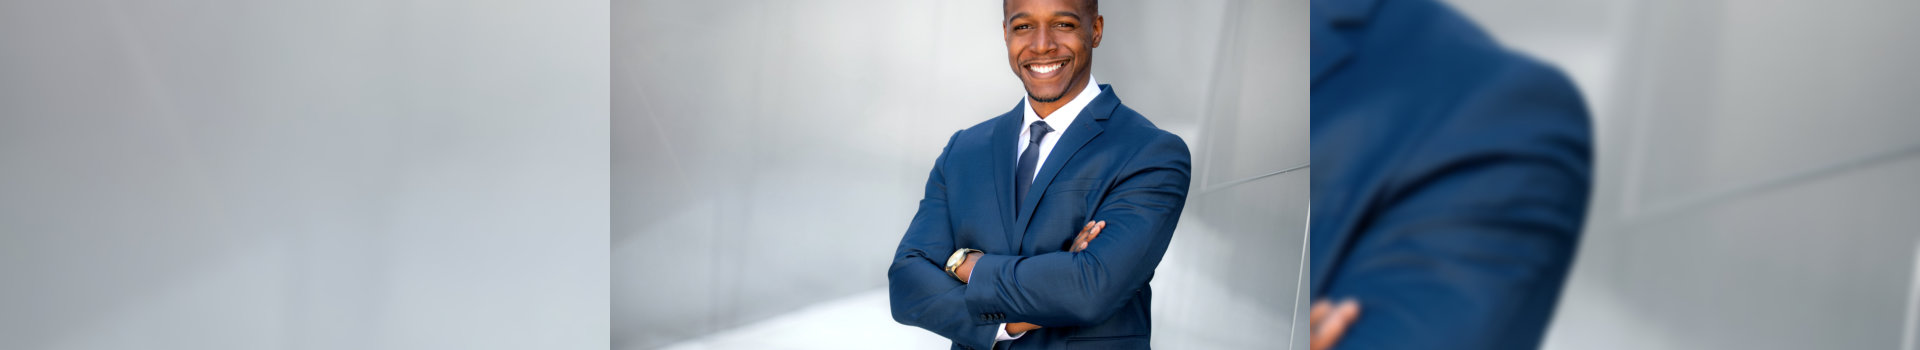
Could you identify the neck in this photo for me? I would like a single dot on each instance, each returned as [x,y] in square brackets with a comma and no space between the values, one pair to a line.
[1044,109]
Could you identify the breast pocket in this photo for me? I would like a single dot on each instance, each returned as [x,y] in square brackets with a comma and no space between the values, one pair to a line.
[1065,206]
[1069,197]
[1074,185]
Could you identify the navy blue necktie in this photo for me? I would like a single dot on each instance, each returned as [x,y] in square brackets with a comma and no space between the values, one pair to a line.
[1029,161]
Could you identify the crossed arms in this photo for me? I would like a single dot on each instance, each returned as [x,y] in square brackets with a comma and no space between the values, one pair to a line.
[1083,285]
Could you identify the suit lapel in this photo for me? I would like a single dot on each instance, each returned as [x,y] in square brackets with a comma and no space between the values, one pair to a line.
[1004,135]
[1085,127]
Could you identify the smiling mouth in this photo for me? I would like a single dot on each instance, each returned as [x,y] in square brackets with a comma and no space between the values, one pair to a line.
[1045,68]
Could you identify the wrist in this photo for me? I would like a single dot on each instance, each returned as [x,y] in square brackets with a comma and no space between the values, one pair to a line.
[960,257]
[965,272]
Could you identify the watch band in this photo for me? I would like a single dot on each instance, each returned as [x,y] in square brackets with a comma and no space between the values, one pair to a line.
[953,261]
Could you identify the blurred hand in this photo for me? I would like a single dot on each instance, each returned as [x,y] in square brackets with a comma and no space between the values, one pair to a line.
[1020,327]
[1087,233]
[1329,321]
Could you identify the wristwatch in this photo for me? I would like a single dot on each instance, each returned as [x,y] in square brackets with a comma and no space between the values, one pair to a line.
[953,261]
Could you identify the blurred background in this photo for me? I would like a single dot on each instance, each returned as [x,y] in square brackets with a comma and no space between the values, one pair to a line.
[1759,170]
[346,174]
[767,156]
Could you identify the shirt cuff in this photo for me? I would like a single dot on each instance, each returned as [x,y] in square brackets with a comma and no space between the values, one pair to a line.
[1002,336]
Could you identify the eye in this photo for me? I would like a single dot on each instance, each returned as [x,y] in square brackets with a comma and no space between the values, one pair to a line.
[1063,25]
[1023,26]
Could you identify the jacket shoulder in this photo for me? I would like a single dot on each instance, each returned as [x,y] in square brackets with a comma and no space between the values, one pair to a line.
[1143,135]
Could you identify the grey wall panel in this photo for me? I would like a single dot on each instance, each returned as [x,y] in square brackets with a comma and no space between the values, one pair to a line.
[1826,263]
[1739,93]
[1755,165]
[1162,57]
[302,175]
[1232,277]
[1258,94]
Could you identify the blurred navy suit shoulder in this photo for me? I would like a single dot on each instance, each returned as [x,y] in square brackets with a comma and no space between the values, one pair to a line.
[1451,178]
[1111,164]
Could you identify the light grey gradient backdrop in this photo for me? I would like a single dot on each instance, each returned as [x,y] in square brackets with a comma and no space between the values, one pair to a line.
[768,155]
[1759,170]
[342,174]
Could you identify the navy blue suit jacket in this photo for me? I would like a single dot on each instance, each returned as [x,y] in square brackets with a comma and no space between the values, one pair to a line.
[1450,178]
[1111,164]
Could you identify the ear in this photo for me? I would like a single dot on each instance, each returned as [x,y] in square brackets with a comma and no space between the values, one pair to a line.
[1099,24]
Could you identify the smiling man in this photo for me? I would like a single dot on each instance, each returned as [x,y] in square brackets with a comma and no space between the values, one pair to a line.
[1041,227]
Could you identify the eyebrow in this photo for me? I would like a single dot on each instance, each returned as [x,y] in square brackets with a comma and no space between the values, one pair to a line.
[1076,16]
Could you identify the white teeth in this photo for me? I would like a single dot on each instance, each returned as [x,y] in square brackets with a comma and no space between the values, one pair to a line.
[1044,69]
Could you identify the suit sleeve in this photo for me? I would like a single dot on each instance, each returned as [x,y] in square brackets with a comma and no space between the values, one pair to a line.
[1063,289]
[919,290]
[1468,245]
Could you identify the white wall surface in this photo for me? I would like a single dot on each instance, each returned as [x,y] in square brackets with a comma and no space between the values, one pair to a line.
[343,174]
[1757,166]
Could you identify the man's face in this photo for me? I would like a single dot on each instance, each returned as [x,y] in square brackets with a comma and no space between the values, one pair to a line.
[1050,45]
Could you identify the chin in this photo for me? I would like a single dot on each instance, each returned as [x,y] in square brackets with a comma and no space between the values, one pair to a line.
[1056,93]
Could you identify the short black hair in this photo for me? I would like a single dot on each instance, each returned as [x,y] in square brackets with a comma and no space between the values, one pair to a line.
[1093,5]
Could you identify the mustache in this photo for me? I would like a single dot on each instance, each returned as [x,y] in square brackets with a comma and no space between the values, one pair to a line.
[1061,59]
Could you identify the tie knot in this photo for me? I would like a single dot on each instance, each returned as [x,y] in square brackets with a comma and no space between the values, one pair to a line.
[1037,130]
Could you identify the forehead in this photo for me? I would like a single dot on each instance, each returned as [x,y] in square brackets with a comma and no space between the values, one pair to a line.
[1042,8]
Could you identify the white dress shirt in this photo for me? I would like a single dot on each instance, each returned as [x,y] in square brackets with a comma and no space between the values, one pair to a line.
[1059,120]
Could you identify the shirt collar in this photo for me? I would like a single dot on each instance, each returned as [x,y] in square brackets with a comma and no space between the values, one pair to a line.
[1063,117]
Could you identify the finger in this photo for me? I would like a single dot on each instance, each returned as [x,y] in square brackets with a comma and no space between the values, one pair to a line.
[1320,309]
[1335,323]
[1091,234]
[1081,237]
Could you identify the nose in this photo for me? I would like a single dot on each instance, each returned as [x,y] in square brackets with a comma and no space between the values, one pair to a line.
[1043,42]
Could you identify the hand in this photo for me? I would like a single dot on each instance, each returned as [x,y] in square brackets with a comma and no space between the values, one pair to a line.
[1329,321]
[1020,327]
[1087,233]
